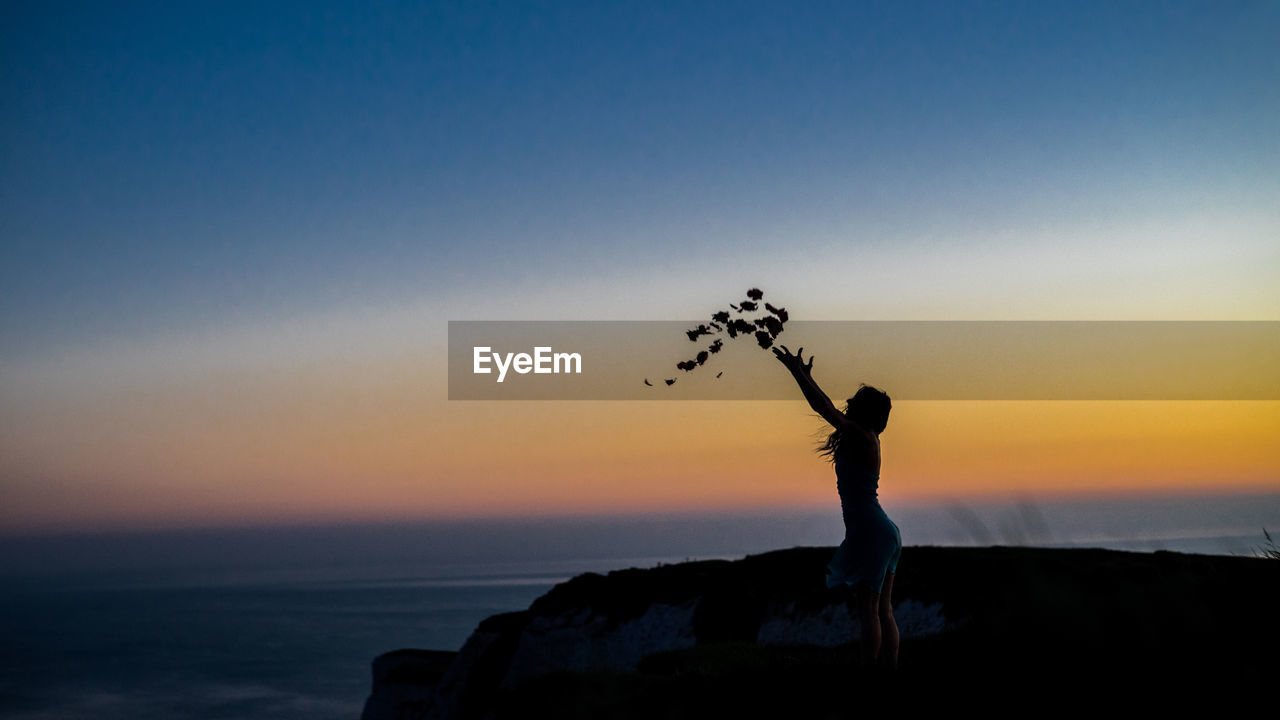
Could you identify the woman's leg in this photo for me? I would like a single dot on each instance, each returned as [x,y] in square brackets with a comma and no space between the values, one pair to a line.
[868,617]
[888,626]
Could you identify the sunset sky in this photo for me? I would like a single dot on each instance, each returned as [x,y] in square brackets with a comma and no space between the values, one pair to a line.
[232,236]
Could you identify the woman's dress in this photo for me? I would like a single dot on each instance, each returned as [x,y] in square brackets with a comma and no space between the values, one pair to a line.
[872,543]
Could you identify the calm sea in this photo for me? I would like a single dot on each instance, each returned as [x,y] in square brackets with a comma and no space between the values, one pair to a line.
[283,622]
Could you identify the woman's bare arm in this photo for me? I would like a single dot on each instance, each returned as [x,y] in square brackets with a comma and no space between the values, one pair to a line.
[818,399]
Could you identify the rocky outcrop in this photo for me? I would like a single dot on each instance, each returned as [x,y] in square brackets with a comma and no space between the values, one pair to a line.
[405,681]
[834,625]
[1030,608]
[582,641]
[610,623]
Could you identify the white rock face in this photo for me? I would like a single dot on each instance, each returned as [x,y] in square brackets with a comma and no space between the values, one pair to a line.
[917,619]
[834,625]
[581,641]
[829,627]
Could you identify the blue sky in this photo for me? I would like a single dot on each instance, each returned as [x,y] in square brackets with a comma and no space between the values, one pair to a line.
[175,165]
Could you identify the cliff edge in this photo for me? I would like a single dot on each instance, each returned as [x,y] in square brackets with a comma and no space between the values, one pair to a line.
[764,636]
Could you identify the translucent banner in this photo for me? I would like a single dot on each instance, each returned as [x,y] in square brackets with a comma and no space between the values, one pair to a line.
[911,360]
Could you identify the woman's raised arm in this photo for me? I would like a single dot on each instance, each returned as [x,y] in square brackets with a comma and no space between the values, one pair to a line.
[818,400]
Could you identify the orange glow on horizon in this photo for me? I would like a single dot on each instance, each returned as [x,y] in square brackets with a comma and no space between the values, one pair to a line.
[328,451]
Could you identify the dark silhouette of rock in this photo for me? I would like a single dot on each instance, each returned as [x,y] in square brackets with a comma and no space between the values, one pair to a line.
[405,682]
[716,638]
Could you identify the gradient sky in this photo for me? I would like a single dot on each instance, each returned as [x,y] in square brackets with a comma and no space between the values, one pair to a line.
[231,235]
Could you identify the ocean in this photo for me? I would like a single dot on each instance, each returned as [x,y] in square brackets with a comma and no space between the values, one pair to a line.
[259,623]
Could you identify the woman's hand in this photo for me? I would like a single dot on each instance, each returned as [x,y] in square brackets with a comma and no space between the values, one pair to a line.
[794,363]
[817,399]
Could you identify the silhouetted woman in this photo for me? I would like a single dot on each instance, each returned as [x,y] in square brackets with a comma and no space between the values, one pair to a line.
[868,558]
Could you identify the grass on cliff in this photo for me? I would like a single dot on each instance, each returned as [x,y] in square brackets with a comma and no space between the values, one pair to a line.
[1269,549]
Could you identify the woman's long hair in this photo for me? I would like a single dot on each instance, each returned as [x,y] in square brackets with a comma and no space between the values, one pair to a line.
[869,407]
